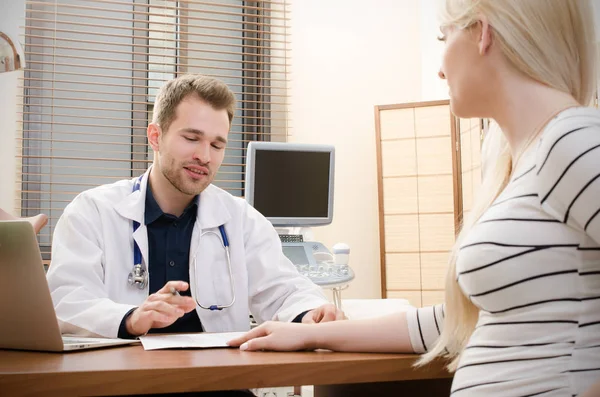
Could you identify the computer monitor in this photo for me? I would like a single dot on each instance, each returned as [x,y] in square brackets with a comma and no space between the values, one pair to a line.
[291,184]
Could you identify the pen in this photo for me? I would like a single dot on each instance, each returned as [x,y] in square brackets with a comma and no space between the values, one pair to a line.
[174,291]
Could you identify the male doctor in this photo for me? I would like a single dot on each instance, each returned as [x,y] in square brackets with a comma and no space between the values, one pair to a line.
[173,214]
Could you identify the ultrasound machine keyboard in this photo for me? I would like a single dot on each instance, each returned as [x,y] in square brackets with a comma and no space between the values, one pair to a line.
[291,238]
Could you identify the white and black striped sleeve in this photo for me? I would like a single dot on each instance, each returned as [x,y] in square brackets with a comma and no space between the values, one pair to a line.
[425,327]
[568,175]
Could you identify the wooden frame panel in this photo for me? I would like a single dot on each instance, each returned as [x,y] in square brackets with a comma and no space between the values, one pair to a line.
[401,195]
[424,163]
[404,271]
[399,158]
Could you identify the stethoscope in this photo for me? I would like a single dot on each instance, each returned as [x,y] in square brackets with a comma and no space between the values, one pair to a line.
[139,275]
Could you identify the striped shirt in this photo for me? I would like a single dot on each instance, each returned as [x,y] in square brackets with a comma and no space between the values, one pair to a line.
[531,265]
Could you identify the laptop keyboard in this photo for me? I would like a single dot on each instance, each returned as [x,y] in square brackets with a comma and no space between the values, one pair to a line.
[73,340]
[70,340]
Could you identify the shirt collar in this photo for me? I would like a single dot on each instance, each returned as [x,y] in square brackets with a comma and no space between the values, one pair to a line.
[153,211]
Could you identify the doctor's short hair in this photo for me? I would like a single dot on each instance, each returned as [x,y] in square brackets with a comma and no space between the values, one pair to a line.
[173,92]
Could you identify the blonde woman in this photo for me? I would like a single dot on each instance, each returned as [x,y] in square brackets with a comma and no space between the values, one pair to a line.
[522,311]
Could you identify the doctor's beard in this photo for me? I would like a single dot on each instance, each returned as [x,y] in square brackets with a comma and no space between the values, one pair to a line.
[177,175]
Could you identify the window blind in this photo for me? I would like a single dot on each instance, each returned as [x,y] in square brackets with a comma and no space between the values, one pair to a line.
[93,70]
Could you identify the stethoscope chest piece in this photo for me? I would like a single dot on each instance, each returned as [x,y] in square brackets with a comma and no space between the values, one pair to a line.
[138,277]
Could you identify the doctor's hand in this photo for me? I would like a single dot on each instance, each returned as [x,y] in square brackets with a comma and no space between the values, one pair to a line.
[322,314]
[160,309]
[278,336]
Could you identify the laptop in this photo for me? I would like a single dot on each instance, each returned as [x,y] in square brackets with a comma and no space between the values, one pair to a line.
[28,318]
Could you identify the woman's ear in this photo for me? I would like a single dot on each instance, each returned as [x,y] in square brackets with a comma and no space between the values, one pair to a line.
[485,36]
[153,134]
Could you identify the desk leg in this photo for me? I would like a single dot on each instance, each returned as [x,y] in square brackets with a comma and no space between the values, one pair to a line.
[428,387]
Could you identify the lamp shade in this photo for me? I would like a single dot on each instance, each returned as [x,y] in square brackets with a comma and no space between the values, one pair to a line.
[9,57]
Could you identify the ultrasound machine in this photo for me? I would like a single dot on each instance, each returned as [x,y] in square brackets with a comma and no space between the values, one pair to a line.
[291,184]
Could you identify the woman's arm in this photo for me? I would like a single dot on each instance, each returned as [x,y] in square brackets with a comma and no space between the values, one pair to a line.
[382,334]
[593,391]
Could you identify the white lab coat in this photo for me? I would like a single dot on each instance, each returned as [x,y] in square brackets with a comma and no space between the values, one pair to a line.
[92,255]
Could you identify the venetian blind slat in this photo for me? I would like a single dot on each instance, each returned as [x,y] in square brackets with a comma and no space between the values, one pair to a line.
[93,68]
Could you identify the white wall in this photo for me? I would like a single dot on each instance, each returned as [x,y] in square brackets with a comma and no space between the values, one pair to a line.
[347,57]
[432,87]
[11,18]
[596,5]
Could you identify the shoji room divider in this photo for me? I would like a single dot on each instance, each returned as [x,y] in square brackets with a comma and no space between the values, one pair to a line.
[428,170]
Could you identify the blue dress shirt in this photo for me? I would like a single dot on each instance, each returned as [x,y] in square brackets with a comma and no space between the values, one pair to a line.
[169,239]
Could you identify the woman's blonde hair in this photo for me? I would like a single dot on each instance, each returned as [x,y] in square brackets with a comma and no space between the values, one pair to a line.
[552,42]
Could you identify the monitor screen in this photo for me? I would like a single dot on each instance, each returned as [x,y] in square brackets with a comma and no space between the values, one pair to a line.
[291,184]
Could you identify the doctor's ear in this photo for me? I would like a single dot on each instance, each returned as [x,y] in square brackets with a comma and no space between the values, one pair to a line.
[153,134]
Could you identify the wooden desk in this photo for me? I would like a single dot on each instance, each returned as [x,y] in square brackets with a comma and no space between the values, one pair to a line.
[131,370]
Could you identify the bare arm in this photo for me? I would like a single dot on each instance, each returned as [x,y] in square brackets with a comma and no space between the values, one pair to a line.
[382,334]
[593,391]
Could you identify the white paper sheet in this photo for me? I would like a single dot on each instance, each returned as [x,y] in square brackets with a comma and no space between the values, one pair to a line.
[183,341]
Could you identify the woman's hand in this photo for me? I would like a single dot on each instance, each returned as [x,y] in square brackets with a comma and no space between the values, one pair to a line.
[278,336]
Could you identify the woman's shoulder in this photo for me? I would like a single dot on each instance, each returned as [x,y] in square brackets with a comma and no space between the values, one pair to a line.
[568,165]
[579,124]
[570,135]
